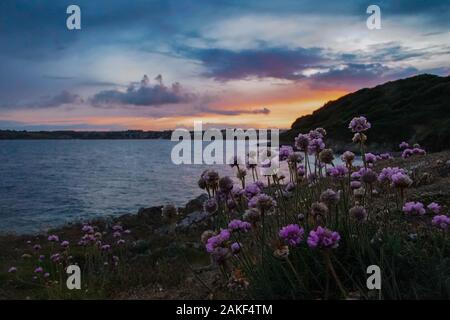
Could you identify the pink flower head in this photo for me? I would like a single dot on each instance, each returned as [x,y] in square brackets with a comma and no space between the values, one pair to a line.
[386,174]
[323,238]
[210,206]
[400,180]
[87,229]
[302,142]
[235,247]
[117,227]
[53,238]
[441,221]
[404,145]
[385,156]
[316,145]
[355,184]
[239,225]
[55,257]
[285,152]
[338,171]
[436,208]
[65,244]
[117,234]
[370,158]
[368,175]
[419,151]
[407,153]
[301,170]
[12,270]
[38,270]
[414,208]
[359,124]
[348,157]
[292,234]
[355,176]
[252,189]
[37,247]
[120,242]
[216,241]
[105,247]
[262,201]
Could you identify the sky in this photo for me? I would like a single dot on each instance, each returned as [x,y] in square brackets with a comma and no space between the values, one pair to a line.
[162,64]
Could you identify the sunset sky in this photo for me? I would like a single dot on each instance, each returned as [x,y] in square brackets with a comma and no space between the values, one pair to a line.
[163,64]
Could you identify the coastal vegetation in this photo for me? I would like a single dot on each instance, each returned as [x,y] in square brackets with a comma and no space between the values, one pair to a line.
[309,235]
[415,108]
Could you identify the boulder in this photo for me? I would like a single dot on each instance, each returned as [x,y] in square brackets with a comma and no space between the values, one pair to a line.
[195,204]
[192,219]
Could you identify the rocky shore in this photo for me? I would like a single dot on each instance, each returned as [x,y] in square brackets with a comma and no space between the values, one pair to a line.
[167,261]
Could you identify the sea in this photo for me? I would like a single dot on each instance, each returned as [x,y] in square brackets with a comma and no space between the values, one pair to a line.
[48,183]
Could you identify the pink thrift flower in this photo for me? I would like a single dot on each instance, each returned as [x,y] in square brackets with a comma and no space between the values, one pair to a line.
[359,124]
[441,221]
[53,238]
[436,208]
[414,208]
[239,225]
[235,247]
[323,238]
[292,234]
[38,270]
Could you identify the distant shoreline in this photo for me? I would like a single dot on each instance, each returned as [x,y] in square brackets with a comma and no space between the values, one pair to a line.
[84,135]
[89,135]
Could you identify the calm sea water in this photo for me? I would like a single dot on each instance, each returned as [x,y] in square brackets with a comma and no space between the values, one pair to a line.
[47,183]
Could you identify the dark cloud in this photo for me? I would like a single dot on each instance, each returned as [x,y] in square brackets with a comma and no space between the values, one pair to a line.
[50,101]
[393,52]
[18,125]
[356,75]
[144,94]
[281,63]
[65,97]
[228,112]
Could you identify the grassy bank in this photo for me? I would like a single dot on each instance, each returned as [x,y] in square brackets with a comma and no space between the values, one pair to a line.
[158,254]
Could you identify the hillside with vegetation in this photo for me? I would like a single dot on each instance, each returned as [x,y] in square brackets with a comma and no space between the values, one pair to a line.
[415,109]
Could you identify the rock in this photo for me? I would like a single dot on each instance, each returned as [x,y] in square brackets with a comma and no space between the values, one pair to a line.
[425,178]
[196,204]
[152,215]
[191,219]
[444,170]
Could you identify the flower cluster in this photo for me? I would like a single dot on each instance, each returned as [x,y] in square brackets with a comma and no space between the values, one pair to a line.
[414,208]
[359,124]
[338,171]
[239,225]
[323,238]
[319,198]
[218,240]
[414,151]
[262,201]
[292,234]
[441,221]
